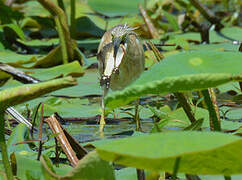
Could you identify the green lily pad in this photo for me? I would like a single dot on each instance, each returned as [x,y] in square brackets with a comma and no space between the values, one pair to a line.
[113,8]
[183,71]
[90,167]
[73,68]
[15,59]
[87,85]
[198,152]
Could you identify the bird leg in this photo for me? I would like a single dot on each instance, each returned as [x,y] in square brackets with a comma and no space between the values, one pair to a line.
[105,87]
[102,120]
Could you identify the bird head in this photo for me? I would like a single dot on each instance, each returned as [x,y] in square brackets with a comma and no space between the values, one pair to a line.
[112,50]
[119,36]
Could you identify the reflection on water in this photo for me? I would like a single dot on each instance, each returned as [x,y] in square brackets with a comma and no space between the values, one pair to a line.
[85,133]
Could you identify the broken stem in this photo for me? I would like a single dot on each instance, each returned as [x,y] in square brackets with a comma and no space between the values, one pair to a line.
[65,145]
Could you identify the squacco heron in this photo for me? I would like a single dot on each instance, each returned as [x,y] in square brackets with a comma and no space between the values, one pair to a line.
[121,61]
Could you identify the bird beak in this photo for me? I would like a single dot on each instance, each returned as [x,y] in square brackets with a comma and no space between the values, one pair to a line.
[116,44]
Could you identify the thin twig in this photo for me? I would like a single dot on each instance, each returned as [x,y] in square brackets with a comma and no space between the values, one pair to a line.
[149,50]
[156,52]
[33,122]
[40,131]
[27,141]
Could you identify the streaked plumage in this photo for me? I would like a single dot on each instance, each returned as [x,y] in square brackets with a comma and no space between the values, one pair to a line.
[129,63]
[121,60]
